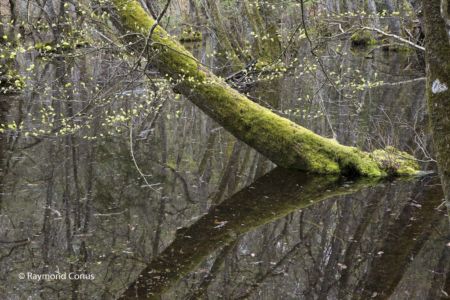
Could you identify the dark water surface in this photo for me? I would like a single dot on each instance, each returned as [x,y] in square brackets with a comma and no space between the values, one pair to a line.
[192,212]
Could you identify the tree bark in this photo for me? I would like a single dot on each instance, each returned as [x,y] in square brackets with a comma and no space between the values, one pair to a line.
[281,140]
[438,80]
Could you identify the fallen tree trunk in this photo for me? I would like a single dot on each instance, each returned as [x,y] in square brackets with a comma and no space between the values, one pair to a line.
[282,141]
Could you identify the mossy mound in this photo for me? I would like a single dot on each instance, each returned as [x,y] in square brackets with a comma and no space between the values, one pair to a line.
[189,35]
[363,38]
[395,162]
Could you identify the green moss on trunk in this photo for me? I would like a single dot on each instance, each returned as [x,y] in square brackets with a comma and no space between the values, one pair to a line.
[281,140]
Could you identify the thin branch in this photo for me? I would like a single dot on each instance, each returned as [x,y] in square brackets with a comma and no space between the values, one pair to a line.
[135,162]
[395,37]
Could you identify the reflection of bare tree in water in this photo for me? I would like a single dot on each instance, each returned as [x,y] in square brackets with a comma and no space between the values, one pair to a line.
[270,197]
[403,241]
[88,207]
[397,243]
[4,108]
[334,263]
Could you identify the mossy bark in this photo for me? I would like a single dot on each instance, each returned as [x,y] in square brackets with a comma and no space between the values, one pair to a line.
[438,83]
[281,140]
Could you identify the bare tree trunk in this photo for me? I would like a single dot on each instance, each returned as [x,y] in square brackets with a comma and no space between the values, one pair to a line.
[372,8]
[394,22]
[232,50]
[438,80]
[266,49]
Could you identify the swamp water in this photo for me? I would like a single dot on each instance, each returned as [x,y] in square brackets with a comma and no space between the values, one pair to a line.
[103,181]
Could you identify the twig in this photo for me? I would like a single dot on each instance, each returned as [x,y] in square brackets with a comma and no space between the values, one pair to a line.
[134,159]
[395,37]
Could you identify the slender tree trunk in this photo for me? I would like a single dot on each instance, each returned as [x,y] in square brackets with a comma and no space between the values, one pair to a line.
[372,9]
[394,22]
[438,80]
[268,48]
[232,50]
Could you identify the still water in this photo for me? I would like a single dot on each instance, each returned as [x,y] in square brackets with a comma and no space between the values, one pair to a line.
[136,191]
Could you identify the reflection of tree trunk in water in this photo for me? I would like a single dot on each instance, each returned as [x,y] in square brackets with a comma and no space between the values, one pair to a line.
[394,22]
[204,169]
[4,108]
[187,127]
[200,291]
[227,44]
[46,227]
[441,274]
[242,170]
[164,193]
[404,239]
[206,159]
[354,243]
[262,167]
[271,197]
[267,48]
[291,254]
[229,173]
[337,241]
[251,173]
[266,254]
